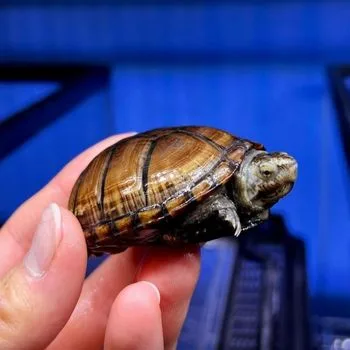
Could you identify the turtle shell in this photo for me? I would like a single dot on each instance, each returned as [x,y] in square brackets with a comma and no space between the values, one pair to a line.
[152,177]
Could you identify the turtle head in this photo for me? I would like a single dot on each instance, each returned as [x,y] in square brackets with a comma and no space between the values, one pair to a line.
[263,179]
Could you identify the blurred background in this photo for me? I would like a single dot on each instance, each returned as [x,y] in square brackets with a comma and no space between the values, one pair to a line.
[74,73]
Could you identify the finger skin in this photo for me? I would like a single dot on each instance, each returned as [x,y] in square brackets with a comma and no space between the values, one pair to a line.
[135,321]
[17,232]
[175,272]
[87,325]
[34,309]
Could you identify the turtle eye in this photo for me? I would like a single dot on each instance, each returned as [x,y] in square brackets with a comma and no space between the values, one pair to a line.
[266,173]
[267,170]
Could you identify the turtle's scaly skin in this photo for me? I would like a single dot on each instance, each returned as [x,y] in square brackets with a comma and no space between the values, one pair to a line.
[143,181]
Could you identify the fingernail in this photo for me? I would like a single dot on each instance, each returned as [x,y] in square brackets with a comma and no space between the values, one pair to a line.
[155,289]
[45,241]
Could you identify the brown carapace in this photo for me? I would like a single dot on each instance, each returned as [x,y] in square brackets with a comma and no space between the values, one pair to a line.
[149,189]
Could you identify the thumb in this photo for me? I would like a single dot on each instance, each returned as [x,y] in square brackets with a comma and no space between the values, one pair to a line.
[38,296]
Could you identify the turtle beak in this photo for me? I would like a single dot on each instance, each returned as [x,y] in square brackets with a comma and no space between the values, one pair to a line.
[288,167]
[287,174]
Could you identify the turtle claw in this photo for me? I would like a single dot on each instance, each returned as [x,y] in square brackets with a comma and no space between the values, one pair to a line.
[238,227]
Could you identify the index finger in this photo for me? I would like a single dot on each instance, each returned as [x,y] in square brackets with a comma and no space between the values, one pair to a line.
[16,234]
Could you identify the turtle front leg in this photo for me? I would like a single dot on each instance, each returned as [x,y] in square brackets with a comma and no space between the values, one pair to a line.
[217,217]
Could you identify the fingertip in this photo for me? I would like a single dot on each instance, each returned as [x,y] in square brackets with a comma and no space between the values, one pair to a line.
[143,296]
[135,319]
[154,288]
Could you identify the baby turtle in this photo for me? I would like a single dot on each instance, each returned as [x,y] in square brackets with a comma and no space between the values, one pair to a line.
[179,185]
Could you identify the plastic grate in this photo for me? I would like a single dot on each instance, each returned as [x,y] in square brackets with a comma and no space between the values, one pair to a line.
[243,318]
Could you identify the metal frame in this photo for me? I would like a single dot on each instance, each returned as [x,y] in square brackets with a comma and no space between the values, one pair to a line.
[77,82]
[341,98]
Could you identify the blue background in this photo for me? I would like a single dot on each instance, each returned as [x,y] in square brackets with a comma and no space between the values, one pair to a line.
[257,70]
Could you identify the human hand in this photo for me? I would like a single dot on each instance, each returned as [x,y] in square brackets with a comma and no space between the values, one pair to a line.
[45,300]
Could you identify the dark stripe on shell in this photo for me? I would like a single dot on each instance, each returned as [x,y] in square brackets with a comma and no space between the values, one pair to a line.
[113,230]
[212,143]
[145,169]
[135,220]
[164,210]
[202,138]
[77,190]
[101,194]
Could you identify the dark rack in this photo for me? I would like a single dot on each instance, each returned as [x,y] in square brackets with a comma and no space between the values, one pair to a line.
[337,76]
[268,308]
[264,303]
[77,82]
